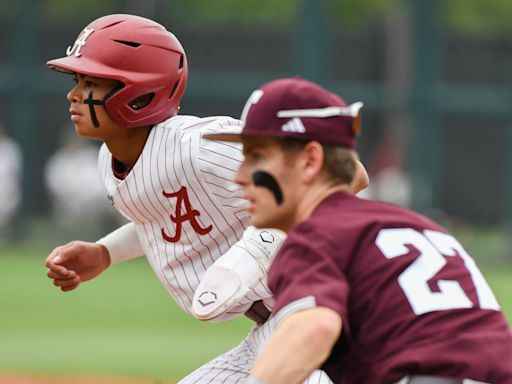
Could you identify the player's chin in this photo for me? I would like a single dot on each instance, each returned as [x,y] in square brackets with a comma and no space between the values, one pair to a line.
[85,130]
[257,223]
[259,220]
[79,128]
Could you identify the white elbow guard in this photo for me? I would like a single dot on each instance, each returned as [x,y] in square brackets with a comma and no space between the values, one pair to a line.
[233,274]
[122,244]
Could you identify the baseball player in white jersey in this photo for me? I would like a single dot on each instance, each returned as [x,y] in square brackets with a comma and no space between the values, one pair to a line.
[186,214]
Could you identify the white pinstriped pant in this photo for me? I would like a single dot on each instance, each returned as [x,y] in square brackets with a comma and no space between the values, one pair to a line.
[235,365]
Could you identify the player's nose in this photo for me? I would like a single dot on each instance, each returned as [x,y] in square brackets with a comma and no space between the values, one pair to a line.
[73,95]
[241,176]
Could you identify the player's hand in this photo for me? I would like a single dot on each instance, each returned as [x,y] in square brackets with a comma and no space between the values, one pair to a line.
[69,265]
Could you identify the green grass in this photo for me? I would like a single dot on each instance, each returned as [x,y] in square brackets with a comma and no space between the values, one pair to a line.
[500,280]
[121,324]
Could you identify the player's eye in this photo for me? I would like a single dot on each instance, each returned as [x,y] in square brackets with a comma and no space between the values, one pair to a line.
[89,84]
[253,156]
[75,79]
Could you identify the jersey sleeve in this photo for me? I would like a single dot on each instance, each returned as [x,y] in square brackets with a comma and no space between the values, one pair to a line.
[305,275]
[219,162]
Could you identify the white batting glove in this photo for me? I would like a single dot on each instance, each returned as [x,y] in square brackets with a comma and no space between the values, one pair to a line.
[233,274]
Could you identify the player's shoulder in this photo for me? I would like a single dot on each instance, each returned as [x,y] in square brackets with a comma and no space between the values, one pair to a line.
[392,214]
[368,209]
[353,217]
[194,124]
[221,124]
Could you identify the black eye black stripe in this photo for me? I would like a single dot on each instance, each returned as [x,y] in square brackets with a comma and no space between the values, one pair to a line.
[92,102]
[264,179]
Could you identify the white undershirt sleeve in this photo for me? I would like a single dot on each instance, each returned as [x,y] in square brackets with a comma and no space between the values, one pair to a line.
[122,244]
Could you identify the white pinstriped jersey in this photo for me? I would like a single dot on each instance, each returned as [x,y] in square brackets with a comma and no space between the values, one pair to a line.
[185,206]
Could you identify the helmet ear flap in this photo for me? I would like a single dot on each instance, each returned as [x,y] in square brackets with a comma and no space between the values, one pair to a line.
[141,101]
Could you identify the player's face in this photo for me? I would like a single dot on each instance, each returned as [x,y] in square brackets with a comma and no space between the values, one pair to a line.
[270,182]
[89,90]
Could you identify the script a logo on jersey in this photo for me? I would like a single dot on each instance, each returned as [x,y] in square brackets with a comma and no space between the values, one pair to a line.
[79,43]
[189,215]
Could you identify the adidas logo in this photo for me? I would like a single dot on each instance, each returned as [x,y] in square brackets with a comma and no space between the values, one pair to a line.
[294,125]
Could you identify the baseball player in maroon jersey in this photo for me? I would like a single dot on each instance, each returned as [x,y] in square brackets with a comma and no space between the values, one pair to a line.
[370,292]
[186,215]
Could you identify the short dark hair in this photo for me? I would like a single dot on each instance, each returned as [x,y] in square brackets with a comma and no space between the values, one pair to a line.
[339,162]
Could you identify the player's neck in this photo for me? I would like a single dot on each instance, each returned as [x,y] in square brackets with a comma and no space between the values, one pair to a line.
[127,148]
[314,196]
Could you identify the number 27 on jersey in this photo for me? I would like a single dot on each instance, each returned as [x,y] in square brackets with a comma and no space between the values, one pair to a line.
[434,248]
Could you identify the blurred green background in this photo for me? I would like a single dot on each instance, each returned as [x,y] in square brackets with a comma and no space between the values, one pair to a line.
[121,325]
[436,80]
[435,77]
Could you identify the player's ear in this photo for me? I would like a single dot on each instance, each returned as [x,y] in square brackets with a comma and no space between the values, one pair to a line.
[312,157]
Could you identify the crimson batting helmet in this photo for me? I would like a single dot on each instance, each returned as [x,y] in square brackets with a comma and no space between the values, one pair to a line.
[141,54]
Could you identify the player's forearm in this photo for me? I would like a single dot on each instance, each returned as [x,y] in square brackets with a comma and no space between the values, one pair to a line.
[236,272]
[122,244]
[300,344]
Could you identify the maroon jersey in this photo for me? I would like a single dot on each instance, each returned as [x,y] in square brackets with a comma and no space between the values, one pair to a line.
[412,301]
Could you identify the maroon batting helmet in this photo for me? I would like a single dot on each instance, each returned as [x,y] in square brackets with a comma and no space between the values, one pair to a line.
[141,54]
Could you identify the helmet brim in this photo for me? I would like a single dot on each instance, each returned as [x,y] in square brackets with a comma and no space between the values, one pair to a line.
[72,64]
